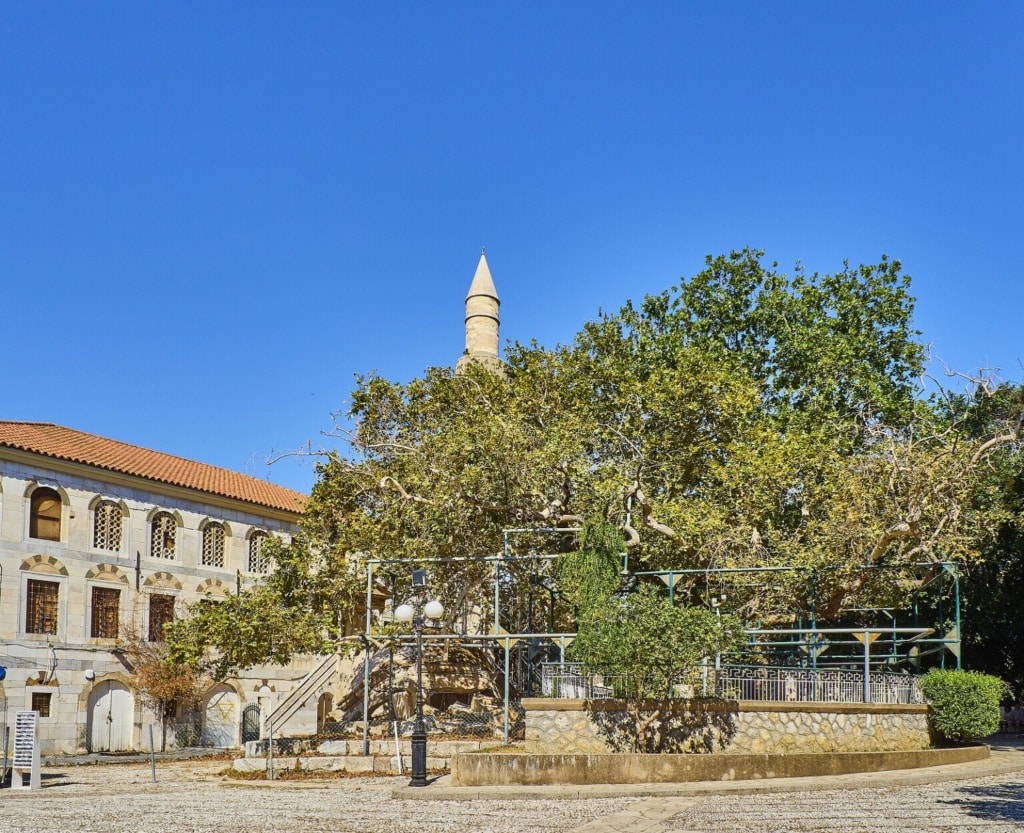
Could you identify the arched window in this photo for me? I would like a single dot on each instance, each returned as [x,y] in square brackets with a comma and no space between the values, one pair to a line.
[106,527]
[213,545]
[164,529]
[259,560]
[44,515]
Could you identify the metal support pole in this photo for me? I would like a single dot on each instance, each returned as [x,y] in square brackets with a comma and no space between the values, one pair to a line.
[419,729]
[497,596]
[867,667]
[956,602]
[940,626]
[508,645]
[366,660]
[270,751]
[7,730]
[152,755]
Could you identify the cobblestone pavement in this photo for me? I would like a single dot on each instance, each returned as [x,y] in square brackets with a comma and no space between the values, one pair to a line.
[191,797]
[987,805]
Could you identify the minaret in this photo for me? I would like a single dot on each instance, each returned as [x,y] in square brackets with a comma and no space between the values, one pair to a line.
[481,321]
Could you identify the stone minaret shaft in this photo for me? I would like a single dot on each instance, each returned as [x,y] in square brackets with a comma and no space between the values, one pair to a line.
[482,321]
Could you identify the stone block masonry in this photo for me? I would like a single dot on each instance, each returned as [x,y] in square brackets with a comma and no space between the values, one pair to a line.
[739,727]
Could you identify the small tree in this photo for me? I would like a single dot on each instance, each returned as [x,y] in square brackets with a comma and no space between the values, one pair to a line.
[648,644]
[161,683]
[640,639]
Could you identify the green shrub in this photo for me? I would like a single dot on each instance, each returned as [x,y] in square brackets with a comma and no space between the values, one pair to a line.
[964,704]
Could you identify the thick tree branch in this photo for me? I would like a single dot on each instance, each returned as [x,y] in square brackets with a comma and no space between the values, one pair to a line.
[390,481]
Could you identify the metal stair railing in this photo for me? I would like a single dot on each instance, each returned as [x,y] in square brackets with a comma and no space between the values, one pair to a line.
[287,708]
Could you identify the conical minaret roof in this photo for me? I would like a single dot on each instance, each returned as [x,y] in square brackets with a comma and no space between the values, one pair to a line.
[483,283]
[482,320]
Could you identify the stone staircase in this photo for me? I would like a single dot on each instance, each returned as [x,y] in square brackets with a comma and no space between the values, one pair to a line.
[298,697]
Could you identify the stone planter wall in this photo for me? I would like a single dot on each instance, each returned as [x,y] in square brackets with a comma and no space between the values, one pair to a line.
[741,727]
[485,769]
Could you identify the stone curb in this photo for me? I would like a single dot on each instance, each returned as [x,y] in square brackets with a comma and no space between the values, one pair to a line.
[1000,762]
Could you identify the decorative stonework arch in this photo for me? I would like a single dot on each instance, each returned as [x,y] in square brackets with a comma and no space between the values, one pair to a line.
[98,499]
[101,677]
[213,587]
[162,580]
[174,513]
[205,522]
[44,564]
[258,530]
[107,572]
[44,484]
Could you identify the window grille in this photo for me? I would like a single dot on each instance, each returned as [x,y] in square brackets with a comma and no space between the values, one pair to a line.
[161,611]
[41,606]
[106,531]
[163,538]
[41,702]
[105,610]
[213,545]
[44,515]
[259,560]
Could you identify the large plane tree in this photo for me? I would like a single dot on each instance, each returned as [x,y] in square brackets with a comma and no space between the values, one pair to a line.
[746,417]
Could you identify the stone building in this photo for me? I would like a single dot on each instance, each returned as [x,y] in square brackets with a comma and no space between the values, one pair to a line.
[99,539]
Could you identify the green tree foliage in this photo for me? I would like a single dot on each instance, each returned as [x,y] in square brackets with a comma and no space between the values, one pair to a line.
[637,639]
[647,644]
[745,417]
[993,607]
[300,607]
[964,705]
[725,422]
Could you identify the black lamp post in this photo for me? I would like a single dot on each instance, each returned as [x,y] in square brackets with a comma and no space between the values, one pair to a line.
[417,613]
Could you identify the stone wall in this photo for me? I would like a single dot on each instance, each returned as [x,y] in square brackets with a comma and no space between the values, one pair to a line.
[508,769]
[705,726]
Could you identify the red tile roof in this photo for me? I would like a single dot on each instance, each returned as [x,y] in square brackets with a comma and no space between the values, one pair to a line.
[76,446]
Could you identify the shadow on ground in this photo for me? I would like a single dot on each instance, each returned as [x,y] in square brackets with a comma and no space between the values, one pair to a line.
[1000,802]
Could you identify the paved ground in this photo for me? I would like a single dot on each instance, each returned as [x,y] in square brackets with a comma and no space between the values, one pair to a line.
[194,797]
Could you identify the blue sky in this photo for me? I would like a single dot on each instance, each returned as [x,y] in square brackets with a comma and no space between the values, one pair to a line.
[213,215]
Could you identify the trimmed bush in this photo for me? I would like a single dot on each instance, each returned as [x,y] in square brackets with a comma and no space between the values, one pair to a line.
[964,704]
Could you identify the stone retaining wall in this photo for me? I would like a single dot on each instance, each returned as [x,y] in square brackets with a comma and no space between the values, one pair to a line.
[485,769]
[742,727]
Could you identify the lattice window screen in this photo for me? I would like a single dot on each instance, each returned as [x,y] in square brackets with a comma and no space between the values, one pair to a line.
[213,545]
[259,561]
[106,533]
[163,540]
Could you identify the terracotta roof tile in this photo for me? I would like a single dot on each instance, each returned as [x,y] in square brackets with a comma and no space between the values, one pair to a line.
[76,446]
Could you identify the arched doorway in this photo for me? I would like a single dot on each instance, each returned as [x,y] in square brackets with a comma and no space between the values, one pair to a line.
[221,717]
[111,709]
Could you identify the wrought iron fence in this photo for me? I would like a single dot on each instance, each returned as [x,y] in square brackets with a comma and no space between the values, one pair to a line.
[573,680]
[832,685]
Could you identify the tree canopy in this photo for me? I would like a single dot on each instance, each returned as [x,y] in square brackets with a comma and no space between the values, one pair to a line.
[745,417]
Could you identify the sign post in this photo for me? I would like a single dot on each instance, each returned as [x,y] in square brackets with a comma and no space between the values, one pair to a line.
[25,772]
